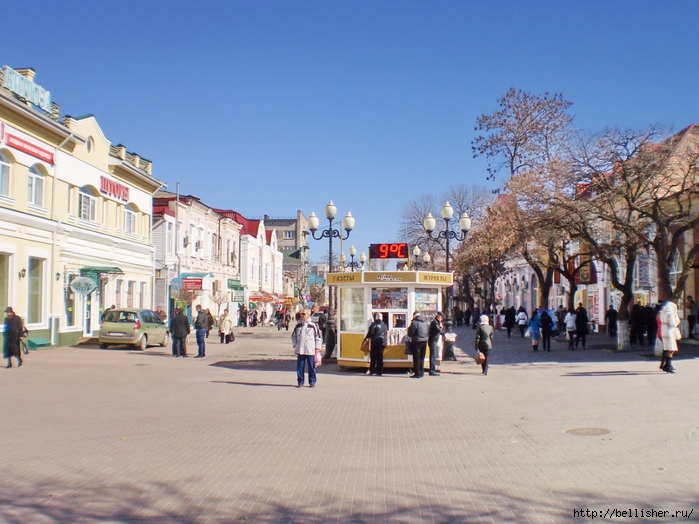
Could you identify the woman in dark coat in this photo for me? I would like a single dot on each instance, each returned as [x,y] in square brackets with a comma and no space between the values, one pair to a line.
[581,329]
[510,320]
[484,340]
[14,331]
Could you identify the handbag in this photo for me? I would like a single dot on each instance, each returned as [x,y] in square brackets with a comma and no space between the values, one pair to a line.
[480,358]
[677,333]
[366,345]
[407,341]
[25,349]
[658,349]
[318,358]
[527,333]
[232,336]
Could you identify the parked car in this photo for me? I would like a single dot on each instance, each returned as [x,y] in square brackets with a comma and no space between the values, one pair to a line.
[133,327]
[315,317]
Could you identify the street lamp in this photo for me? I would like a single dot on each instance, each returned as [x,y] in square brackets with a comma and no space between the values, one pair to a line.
[430,223]
[330,233]
[417,263]
[353,265]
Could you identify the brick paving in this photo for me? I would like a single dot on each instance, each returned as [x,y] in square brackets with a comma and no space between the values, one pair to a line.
[125,436]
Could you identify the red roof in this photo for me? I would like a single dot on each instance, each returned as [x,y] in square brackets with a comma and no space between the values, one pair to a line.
[160,210]
[250,227]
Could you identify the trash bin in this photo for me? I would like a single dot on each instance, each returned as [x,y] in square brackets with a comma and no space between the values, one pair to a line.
[449,341]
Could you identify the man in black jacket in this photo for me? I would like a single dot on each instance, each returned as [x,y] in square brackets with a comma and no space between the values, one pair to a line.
[419,333]
[378,335]
[179,329]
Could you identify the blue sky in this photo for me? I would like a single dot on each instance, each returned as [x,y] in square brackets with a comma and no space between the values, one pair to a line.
[266,107]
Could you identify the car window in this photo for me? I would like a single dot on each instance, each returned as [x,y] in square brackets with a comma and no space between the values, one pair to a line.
[120,316]
[147,316]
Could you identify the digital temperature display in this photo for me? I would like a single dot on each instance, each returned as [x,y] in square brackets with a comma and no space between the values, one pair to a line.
[388,250]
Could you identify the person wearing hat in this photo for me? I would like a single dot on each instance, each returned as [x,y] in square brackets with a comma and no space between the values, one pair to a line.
[14,331]
[484,340]
[436,332]
[377,334]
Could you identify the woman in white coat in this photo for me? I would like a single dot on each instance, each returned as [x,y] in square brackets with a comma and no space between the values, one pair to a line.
[670,334]
[225,327]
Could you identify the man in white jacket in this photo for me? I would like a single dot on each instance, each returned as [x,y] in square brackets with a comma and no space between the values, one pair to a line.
[306,339]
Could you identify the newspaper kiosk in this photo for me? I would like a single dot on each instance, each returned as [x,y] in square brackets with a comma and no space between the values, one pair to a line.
[394,294]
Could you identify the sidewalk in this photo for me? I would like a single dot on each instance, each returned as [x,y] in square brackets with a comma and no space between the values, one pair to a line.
[126,436]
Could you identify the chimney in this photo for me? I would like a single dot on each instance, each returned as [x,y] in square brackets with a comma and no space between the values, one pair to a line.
[27,72]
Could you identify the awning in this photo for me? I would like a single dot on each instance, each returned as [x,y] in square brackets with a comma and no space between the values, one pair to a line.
[96,272]
[196,275]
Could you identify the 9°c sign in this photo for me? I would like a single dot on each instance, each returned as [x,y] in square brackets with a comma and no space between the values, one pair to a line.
[83,285]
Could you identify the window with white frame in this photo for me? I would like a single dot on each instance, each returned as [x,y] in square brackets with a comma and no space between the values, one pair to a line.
[168,238]
[35,187]
[4,175]
[87,205]
[129,220]
[289,234]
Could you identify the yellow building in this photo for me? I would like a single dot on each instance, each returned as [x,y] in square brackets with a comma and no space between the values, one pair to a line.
[75,217]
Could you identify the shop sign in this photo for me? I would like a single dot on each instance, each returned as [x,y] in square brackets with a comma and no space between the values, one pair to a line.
[343,278]
[27,89]
[192,284]
[83,285]
[233,283]
[238,295]
[176,284]
[388,277]
[114,189]
[30,149]
[436,278]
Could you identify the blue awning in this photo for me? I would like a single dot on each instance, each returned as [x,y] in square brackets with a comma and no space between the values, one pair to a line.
[196,275]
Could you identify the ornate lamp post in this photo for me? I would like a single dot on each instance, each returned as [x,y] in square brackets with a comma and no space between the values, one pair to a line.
[417,263]
[430,223]
[353,265]
[330,233]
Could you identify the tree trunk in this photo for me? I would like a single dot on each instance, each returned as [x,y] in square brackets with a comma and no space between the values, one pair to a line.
[622,335]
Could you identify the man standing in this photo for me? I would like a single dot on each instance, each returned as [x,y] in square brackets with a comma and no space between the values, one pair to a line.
[306,339]
[14,331]
[436,332]
[161,314]
[377,334]
[610,318]
[691,315]
[201,328]
[418,332]
[179,328]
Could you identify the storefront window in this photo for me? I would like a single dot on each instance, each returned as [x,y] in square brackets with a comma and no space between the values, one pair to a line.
[389,298]
[427,301]
[34,277]
[352,310]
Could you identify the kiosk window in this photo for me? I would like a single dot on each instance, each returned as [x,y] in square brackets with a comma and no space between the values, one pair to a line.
[427,301]
[398,320]
[352,310]
[389,298]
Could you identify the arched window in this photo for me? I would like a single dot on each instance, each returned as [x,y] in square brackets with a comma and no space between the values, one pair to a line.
[35,187]
[130,219]
[4,174]
[87,204]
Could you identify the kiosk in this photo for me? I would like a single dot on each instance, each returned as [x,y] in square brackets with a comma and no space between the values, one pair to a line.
[394,294]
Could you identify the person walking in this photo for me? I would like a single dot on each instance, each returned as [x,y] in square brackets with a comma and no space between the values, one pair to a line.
[510,320]
[611,319]
[306,340]
[209,322]
[418,331]
[636,325]
[201,327]
[179,328]
[435,334]
[691,315]
[670,334]
[522,319]
[378,333]
[534,325]
[569,321]
[225,327]
[547,324]
[475,317]
[484,340]
[581,329]
[14,333]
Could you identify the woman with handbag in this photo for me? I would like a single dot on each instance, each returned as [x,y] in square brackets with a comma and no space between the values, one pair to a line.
[484,341]
[670,333]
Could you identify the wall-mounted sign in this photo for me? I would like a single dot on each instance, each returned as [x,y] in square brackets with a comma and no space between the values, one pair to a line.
[114,189]
[83,285]
[233,283]
[388,250]
[192,284]
[30,149]
[25,88]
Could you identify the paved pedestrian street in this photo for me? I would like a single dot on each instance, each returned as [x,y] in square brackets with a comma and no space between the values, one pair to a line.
[119,435]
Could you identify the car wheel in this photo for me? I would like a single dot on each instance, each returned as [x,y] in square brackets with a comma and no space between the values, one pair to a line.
[143,343]
[166,341]
[104,346]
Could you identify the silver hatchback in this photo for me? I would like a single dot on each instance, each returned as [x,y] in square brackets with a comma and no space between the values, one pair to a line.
[133,327]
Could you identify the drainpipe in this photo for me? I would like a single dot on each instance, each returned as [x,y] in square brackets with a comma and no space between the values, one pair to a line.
[54,247]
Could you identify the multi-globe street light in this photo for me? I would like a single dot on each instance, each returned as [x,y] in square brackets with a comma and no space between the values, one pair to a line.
[430,224]
[330,233]
[417,262]
[353,265]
